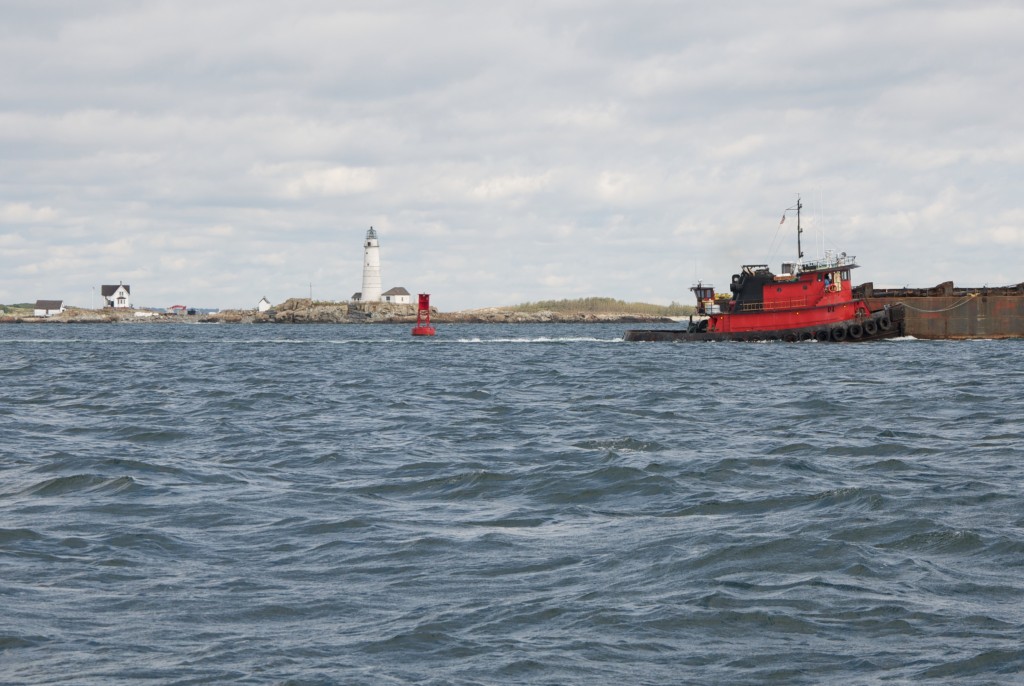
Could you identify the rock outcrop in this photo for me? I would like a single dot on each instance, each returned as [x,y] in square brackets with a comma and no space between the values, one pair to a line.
[306,311]
[498,315]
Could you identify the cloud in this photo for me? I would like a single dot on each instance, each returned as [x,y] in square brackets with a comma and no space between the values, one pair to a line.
[335,181]
[510,186]
[222,230]
[211,150]
[1007,235]
[25,213]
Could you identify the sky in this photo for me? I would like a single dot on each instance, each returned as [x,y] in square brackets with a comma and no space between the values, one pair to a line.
[212,153]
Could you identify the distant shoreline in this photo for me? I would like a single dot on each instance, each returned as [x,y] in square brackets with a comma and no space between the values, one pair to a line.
[335,314]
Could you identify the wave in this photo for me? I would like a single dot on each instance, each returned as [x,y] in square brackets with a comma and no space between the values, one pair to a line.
[541,339]
[80,483]
[526,504]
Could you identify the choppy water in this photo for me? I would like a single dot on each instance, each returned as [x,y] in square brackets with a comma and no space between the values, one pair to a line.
[505,505]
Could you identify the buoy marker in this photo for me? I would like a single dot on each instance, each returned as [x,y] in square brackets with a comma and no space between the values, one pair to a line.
[423,327]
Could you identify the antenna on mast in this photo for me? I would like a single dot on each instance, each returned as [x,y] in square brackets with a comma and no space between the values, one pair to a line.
[799,229]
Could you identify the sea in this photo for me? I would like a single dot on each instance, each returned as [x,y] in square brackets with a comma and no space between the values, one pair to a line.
[506,504]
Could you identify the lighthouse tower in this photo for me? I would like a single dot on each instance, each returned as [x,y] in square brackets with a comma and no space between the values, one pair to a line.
[371,268]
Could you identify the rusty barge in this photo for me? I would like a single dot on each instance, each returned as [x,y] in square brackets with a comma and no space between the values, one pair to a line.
[950,312]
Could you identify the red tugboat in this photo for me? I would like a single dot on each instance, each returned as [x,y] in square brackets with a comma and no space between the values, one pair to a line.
[807,301]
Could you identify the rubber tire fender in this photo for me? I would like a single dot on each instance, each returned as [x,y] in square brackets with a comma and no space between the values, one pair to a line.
[856,331]
[870,327]
[884,323]
[839,334]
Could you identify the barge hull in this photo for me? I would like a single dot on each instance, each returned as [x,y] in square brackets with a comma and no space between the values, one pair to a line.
[948,312]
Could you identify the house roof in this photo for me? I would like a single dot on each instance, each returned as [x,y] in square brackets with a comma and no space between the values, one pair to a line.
[49,304]
[397,290]
[110,290]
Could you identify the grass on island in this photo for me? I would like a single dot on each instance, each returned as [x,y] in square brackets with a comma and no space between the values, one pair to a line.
[605,306]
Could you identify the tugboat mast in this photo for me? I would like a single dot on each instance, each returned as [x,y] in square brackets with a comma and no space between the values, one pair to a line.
[799,229]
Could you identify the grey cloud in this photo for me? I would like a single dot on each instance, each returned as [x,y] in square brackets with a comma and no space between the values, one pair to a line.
[505,150]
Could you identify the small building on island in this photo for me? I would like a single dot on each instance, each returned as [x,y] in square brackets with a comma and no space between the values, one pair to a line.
[48,308]
[263,305]
[397,295]
[116,296]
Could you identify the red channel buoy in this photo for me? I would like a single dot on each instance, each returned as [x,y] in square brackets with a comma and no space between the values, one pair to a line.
[423,327]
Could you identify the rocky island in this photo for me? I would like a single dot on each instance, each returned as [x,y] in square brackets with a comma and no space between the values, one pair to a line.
[306,311]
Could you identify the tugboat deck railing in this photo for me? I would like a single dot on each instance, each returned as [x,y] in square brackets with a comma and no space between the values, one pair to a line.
[829,262]
[773,305]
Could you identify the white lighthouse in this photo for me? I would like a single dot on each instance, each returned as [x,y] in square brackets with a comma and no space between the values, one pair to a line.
[371,268]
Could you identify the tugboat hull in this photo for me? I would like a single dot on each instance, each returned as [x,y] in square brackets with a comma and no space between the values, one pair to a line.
[885,323]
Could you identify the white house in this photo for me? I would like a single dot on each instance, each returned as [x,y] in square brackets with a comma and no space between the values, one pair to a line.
[263,305]
[116,296]
[397,295]
[48,308]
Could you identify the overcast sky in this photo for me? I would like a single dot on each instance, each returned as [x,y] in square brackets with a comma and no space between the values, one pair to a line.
[210,153]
